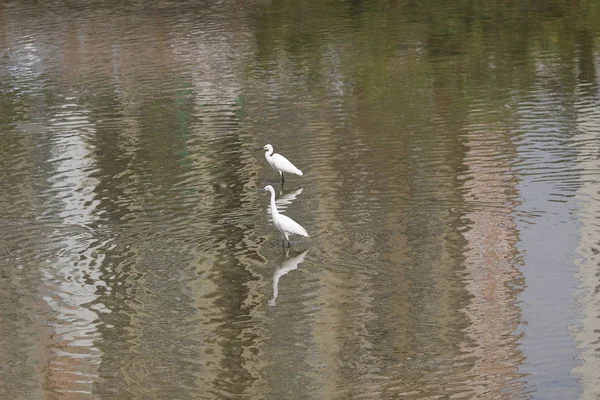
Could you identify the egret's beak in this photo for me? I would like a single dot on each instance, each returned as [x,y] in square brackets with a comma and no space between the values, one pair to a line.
[261,190]
[262,148]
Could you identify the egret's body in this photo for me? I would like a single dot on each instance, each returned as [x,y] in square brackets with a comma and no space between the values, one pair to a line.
[283,223]
[279,162]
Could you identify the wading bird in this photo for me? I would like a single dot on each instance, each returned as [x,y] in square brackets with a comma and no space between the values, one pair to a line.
[285,224]
[279,162]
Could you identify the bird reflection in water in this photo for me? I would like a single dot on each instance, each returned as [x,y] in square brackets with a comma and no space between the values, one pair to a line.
[284,200]
[288,264]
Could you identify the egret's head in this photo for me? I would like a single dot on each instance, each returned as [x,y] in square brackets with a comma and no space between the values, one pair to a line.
[267,188]
[266,147]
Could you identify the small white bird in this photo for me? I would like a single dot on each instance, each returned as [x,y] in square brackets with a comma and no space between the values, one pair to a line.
[279,162]
[285,224]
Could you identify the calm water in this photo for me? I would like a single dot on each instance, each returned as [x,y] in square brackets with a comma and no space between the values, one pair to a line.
[451,160]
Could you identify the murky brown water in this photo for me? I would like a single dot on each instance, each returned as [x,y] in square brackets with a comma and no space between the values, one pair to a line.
[451,178]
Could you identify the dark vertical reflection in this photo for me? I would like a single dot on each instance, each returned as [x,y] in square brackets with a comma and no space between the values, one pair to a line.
[234,280]
[174,182]
[26,334]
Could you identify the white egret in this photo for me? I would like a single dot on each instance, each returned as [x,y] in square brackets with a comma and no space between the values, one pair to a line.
[285,224]
[279,162]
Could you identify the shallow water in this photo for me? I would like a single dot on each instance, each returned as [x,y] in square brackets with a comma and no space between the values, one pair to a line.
[450,189]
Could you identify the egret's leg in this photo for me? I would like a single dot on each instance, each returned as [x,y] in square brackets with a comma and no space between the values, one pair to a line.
[282,178]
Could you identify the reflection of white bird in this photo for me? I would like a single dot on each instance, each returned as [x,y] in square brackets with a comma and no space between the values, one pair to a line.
[288,264]
[285,199]
[285,224]
[279,162]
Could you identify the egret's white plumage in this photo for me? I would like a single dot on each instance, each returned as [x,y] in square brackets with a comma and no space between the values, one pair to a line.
[279,162]
[283,223]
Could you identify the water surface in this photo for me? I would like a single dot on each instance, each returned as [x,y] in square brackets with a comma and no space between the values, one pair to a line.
[450,189]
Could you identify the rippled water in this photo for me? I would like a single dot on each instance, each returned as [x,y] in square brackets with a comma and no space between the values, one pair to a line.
[450,189]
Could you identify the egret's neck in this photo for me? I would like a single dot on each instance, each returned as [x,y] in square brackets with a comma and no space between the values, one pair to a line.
[274,211]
